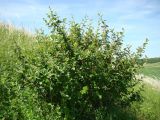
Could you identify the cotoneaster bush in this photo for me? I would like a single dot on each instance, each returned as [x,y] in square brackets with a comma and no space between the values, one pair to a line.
[75,72]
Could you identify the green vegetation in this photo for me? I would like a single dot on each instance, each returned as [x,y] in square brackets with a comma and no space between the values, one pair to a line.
[73,73]
[149,109]
[153,60]
[152,70]
[152,103]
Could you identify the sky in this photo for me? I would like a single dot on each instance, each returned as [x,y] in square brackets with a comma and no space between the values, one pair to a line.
[139,18]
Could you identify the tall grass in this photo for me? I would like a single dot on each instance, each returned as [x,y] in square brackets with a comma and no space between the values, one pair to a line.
[9,35]
[149,109]
[15,102]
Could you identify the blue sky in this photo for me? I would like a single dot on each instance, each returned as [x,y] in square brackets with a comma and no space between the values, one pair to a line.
[139,18]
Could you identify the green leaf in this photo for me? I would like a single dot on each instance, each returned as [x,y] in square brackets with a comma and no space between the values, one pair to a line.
[84,90]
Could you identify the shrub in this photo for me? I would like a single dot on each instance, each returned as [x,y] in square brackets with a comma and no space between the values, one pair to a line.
[74,72]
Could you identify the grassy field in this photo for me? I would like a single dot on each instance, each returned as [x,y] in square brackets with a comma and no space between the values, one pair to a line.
[149,109]
[152,70]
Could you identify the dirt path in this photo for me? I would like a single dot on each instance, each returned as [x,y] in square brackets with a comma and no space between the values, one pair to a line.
[155,83]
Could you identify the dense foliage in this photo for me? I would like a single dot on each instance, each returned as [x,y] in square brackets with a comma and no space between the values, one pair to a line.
[74,72]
